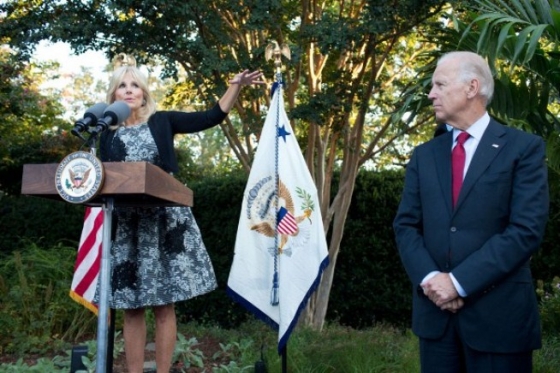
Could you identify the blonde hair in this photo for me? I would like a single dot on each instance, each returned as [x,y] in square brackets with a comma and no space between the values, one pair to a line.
[126,65]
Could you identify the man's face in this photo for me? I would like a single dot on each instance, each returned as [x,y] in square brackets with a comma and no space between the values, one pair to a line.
[448,93]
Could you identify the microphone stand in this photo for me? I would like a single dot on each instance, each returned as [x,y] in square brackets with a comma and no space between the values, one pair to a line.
[105,321]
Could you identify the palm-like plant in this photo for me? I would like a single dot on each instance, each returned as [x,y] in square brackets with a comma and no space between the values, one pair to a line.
[520,38]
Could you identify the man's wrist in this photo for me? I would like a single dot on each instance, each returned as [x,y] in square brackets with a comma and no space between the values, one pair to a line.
[458,286]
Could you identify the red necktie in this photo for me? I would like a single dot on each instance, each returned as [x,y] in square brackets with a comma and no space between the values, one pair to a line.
[458,165]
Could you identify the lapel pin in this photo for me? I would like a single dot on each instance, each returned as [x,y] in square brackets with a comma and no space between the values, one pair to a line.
[495,145]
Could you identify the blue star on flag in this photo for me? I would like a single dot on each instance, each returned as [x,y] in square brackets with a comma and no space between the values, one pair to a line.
[283,133]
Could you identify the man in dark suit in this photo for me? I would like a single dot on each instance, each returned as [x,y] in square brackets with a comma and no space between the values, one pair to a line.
[474,305]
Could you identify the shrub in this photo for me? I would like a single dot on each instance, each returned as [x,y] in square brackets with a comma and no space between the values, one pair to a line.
[34,304]
[549,295]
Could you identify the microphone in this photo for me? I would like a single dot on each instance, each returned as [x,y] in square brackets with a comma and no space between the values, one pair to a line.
[89,119]
[115,113]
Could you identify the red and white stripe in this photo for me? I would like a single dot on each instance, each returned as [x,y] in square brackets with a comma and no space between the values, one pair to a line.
[86,270]
[287,225]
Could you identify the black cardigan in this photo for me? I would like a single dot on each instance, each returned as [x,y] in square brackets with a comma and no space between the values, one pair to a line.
[163,126]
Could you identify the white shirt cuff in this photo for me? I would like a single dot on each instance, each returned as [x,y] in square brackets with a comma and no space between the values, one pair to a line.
[429,276]
[458,286]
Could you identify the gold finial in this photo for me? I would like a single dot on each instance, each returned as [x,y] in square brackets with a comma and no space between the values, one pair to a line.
[276,51]
[123,59]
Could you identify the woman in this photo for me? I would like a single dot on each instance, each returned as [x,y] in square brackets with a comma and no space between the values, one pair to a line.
[158,256]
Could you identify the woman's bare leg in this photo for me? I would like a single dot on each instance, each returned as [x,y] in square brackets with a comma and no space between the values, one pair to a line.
[166,335]
[135,339]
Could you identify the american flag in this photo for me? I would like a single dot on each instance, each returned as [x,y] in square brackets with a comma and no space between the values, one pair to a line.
[86,270]
[286,222]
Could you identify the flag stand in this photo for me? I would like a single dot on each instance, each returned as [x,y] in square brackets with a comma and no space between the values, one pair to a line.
[284,355]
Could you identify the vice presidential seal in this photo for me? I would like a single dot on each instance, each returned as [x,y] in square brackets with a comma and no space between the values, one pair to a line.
[79,177]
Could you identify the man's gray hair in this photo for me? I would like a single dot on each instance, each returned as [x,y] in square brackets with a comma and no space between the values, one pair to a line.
[473,66]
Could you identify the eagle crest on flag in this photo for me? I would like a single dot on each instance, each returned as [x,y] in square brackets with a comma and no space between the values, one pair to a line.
[293,230]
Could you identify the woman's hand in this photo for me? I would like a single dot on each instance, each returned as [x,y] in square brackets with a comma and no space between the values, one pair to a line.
[246,78]
[243,78]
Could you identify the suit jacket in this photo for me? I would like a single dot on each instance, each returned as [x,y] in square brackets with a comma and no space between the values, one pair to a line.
[486,242]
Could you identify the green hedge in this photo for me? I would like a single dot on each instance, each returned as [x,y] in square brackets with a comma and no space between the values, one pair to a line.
[43,221]
[369,284]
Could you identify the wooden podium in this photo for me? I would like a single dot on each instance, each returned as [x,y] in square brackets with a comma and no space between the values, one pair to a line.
[125,184]
[129,183]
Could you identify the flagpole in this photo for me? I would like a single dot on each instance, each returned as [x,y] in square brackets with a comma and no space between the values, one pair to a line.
[284,352]
[106,316]
[274,50]
[104,278]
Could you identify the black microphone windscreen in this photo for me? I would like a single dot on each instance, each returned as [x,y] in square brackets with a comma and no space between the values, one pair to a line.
[120,109]
[97,109]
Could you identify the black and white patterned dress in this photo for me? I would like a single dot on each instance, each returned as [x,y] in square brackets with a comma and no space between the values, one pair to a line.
[158,256]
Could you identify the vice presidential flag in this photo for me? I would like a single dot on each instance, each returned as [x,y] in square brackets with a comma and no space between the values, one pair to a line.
[280,249]
[88,259]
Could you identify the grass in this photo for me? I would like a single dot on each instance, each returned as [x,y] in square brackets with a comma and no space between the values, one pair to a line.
[381,349]
[335,349]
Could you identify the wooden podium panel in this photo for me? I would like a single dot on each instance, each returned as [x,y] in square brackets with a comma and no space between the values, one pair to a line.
[129,183]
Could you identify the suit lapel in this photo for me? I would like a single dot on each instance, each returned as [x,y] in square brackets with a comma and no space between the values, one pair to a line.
[442,160]
[491,143]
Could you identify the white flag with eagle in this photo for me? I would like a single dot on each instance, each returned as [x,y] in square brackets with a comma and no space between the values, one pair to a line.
[280,249]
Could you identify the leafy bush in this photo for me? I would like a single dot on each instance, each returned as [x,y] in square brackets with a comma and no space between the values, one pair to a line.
[35,308]
[43,221]
[549,295]
[370,284]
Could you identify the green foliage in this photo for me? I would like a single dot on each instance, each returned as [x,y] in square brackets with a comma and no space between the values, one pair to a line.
[547,359]
[30,130]
[381,349]
[232,352]
[186,353]
[45,222]
[90,360]
[368,262]
[41,366]
[341,349]
[24,111]
[549,295]
[350,62]
[545,264]
[204,155]
[35,309]
[520,39]
[337,348]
